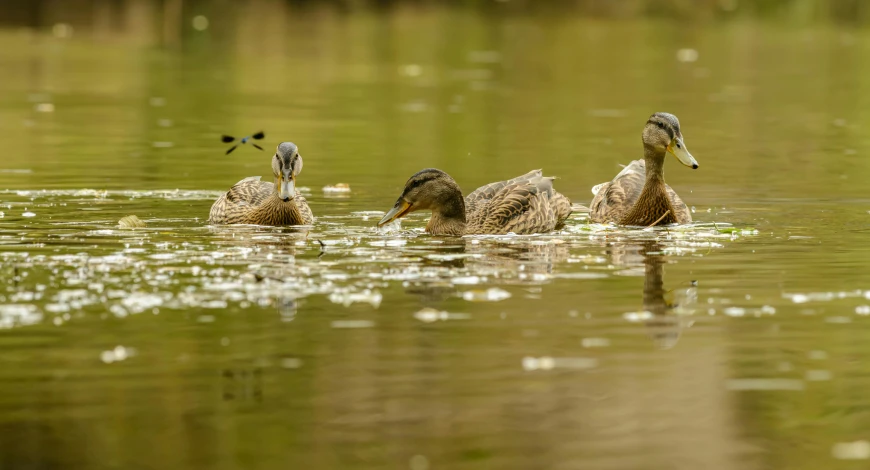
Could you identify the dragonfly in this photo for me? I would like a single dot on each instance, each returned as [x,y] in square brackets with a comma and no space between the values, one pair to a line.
[244,140]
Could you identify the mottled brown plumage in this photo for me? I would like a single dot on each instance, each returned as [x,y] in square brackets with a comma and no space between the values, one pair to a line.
[638,195]
[251,201]
[522,205]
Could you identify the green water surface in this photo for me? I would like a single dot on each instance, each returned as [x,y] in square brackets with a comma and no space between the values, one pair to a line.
[739,342]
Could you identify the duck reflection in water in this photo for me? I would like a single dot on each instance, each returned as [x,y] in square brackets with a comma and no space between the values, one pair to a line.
[665,312]
[520,262]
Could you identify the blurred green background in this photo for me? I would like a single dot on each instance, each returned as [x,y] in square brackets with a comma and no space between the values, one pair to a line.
[111,107]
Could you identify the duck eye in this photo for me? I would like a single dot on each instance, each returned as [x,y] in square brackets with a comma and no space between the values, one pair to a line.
[661,126]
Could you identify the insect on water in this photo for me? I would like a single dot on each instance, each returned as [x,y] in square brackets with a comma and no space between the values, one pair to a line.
[244,140]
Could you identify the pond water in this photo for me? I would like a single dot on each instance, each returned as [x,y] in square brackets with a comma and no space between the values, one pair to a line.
[737,342]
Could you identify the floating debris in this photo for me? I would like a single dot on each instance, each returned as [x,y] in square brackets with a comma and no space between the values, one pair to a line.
[97,193]
[131,221]
[637,316]
[858,450]
[390,242]
[534,363]
[467,280]
[734,311]
[410,70]
[367,296]
[800,298]
[817,355]
[549,363]
[580,275]
[169,194]
[493,294]
[118,354]
[138,302]
[353,324]
[818,375]
[687,55]
[44,107]
[291,363]
[13,315]
[28,214]
[429,315]
[340,188]
[595,342]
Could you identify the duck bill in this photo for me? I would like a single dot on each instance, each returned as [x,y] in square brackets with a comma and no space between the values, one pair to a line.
[288,189]
[678,149]
[398,211]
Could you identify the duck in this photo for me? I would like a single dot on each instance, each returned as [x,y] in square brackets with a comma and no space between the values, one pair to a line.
[523,205]
[251,201]
[638,195]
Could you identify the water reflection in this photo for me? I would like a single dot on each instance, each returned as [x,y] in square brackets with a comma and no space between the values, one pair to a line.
[377,370]
[664,312]
[471,261]
[530,258]
[430,292]
[242,384]
[287,307]
[668,320]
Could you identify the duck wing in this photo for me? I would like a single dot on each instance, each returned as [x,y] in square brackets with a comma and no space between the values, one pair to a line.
[682,213]
[522,207]
[616,197]
[562,207]
[302,204]
[233,206]
[480,196]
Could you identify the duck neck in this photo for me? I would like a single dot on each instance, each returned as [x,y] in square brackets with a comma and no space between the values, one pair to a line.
[276,211]
[449,218]
[653,206]
[655,166]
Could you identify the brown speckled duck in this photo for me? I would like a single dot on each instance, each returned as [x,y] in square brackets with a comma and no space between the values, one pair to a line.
[252,201]
[523,205]
[638,195]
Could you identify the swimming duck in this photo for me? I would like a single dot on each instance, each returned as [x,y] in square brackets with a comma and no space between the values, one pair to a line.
[638,195]
[522,205]
[252,201]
